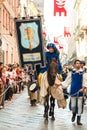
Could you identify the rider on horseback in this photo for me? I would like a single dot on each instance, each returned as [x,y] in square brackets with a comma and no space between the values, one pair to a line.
[51,54]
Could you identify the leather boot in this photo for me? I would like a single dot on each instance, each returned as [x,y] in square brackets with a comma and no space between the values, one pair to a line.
[78,120]
[73,117]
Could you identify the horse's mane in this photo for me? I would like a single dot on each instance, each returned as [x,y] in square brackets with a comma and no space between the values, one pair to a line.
[52,72]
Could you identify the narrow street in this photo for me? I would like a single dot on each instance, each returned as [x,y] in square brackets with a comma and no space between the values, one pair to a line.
[18,114]
[34,39]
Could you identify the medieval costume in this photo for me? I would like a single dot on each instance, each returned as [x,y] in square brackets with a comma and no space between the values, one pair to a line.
[56,92]
[52,55]
[77,81]
[47,86]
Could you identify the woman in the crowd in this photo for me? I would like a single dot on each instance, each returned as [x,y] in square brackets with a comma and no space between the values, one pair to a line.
[1,86]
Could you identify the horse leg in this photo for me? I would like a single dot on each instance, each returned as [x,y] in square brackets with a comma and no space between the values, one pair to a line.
[46,106]
[52,105]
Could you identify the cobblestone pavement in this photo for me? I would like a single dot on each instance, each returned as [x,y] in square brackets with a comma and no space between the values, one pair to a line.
[18,114]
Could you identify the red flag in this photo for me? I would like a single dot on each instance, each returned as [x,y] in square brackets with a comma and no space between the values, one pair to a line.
[44,31]
[67,32]
[59,7]
[44,34]
[60,47]
[56,40]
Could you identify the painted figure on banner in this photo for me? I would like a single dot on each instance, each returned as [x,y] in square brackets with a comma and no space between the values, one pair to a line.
[29,35]
[59,7]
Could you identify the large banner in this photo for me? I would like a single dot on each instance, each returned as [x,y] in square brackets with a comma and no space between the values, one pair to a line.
[30,47]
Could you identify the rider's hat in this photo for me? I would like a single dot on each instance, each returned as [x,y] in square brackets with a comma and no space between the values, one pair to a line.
[51,45]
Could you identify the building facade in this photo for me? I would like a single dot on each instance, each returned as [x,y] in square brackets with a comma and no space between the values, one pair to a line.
[81,29]
[30,8]
[8,46]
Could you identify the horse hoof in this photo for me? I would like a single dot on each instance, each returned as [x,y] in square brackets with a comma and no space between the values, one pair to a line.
[46,121]
[53,118]
[46,118]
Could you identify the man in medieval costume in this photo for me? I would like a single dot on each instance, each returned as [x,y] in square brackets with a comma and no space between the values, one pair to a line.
[77,80]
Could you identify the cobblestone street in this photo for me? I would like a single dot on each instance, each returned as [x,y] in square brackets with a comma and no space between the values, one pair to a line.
[18,114]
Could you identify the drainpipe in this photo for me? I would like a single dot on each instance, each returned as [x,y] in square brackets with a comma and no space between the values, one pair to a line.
[0,35]
[0,20]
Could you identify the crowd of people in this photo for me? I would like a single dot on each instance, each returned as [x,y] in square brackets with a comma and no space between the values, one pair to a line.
[74,76]
[12,80]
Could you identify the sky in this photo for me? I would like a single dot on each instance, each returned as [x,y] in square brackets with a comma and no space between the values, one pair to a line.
[58,22]
[22,1]
[55,25]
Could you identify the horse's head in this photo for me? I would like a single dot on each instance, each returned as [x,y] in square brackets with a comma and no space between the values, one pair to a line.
[52,72]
